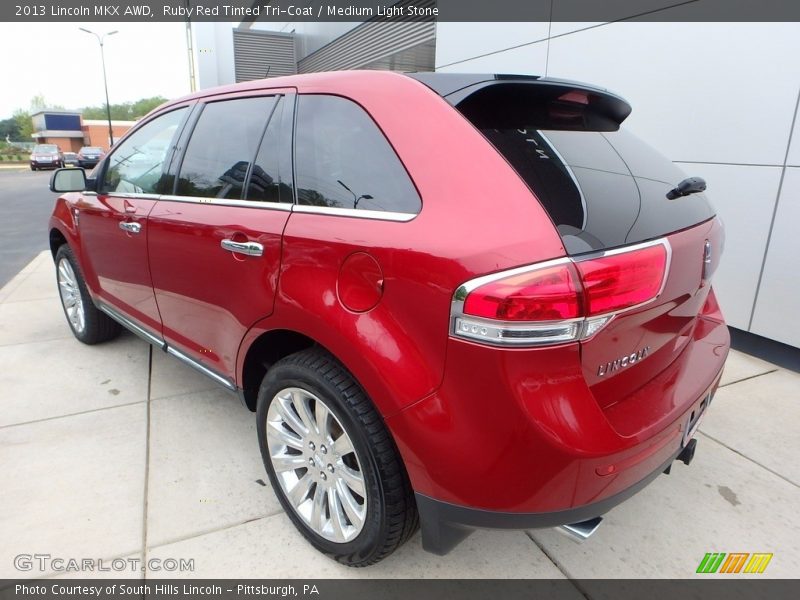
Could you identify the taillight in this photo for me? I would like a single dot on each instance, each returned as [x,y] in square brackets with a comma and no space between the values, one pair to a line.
[559,301]
[619,281]
[546,294]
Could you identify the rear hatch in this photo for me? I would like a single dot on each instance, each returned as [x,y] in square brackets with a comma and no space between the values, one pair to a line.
[606,192]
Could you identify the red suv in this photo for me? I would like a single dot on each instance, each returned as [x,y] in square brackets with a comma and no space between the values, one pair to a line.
[454,301]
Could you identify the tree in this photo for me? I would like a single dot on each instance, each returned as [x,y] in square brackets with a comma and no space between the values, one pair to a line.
[24,125]
[127,111]
[9,128]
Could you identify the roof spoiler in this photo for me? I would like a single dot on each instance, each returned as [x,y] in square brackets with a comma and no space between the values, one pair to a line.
[515,101]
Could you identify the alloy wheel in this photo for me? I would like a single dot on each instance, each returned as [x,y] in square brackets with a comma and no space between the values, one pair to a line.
[71,295]
[316,465]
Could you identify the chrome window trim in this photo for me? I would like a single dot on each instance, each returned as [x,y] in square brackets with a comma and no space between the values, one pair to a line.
[133,196]
[228,202]
[571,174]
[462,291]
[377,215]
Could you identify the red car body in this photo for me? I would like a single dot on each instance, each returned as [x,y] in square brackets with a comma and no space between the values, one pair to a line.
[490,436]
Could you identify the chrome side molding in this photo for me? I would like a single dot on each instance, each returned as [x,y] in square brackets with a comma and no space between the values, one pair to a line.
[131,326]
[161,344]
[223,381]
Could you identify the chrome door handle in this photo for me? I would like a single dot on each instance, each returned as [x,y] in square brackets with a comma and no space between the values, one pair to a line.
[130,227]
[248,248]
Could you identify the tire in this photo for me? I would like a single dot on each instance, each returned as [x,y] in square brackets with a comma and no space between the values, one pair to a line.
[88,324]
[33,168]
[313,379]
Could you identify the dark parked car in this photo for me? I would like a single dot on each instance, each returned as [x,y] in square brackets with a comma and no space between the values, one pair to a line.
[71,159]
[46,156]
[490,308]
[89,156]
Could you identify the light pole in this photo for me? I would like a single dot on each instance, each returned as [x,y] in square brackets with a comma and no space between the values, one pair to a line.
[100,39]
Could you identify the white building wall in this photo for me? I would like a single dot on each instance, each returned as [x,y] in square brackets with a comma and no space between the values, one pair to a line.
[213,53]
[719,99]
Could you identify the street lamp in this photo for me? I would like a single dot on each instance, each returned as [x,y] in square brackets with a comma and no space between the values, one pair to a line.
[100,39]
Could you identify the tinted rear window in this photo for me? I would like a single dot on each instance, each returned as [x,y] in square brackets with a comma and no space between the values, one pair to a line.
[602,189]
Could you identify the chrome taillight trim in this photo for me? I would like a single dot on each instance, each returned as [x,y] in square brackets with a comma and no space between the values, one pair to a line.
[542,333]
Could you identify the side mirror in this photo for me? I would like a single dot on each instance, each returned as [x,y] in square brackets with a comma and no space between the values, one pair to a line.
[68,180]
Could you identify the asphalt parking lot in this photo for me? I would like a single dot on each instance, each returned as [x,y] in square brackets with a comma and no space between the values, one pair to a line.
[117,451]
[26,204]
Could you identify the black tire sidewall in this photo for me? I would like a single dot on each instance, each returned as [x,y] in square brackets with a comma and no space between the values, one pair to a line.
[98,327]
[371,538]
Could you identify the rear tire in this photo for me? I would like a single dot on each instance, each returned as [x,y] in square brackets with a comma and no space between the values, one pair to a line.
[324,445]
[88,324]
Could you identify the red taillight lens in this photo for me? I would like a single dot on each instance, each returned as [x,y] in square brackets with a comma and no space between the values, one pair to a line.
[623,280]
[547,294]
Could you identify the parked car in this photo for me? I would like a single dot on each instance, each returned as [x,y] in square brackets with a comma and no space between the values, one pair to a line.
[46,156]
[490,309]
[71,159]
[89,156]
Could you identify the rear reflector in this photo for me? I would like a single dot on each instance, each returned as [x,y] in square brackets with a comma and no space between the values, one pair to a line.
[559,301]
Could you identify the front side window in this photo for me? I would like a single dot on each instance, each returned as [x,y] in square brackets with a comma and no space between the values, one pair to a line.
[344,161]
[137,164]
[222,147]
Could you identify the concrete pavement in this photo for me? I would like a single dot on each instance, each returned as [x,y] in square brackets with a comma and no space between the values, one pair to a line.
[117,451]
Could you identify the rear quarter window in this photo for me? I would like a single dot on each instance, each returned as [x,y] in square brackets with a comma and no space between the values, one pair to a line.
[343,160]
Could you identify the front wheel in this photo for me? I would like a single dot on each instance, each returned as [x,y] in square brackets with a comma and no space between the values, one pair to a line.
[332,463]
[88,324]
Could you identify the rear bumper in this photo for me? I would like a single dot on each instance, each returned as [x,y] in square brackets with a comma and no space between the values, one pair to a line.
[88,163]
[445,525]
[515,438]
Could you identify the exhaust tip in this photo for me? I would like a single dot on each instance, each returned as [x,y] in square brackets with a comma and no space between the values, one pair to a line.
[580,532]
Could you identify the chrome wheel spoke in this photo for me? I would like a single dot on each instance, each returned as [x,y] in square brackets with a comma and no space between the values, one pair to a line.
[352,509]
[300,490]
[284,407]
[300,403]
[353,479]
[70,295]
[343,446]
[336,514]
[290,440]
[289,462]
[321,414]
[307,447]
[318,508]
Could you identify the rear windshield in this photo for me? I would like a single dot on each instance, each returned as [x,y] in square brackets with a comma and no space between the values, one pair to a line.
[91,149]
[602,188]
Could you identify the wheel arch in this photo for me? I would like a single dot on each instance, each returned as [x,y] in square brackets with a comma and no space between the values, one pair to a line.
[264,351]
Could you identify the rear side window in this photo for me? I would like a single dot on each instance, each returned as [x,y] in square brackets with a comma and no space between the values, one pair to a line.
[344,161]
[222,147]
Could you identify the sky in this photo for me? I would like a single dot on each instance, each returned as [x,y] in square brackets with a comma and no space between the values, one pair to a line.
[62,63]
